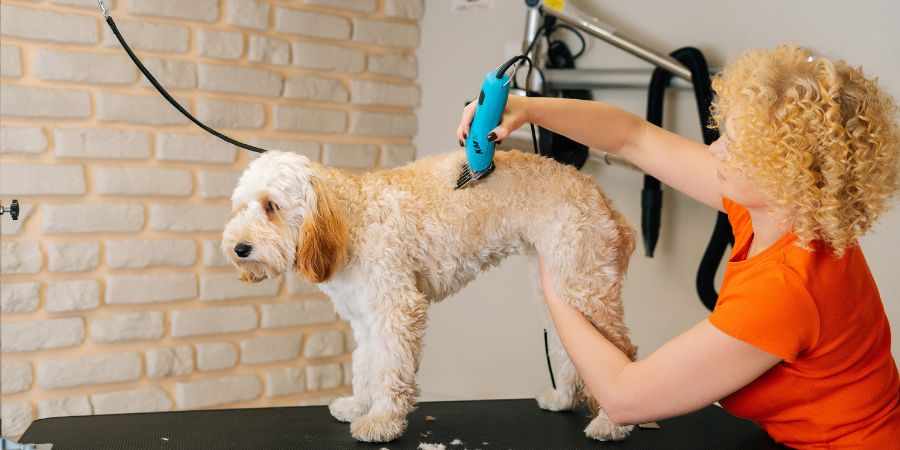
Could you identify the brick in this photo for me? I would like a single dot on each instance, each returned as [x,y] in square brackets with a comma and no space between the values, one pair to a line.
[16,376]
[218,184]
[170,361]
[82,67]
[212,254]
[224,114]
[404,9]
[227,286]
[144,181]
[308,149]
[302,23]
[202,10]
[226,319]
[286,381]
[16,418]
[347,368]
[366,92]
[101,143]
[14,227]
[91,4]
[193,148]
[20,257]
[324,343]
[19,297]
[382,124]
[188,218]
[220,44]
[155,288]
[296,313]
[140,109]
[269,51]
[91,369]
[295,285]
[25,140]
[10,61]
[216,391]
[216,356]
[145,253]
[154,37]
[350,155]
[397,155]
[152,399]
[247,13]
[394,65]
[315,89]
[44,103]
[72,257]
[365,6]
[388,34]
[76,405]
[266,349]
[323,376]
[93,217]
[47,25]
[139,326]
[170,73]
[41,179]
[309,120]
[72,295]
[332,58]
[41,334]
[239,80]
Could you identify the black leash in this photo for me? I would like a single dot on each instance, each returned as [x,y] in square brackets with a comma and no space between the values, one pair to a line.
[162,90]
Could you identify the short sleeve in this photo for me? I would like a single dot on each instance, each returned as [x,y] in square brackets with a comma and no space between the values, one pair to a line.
[738,216]
[771,310]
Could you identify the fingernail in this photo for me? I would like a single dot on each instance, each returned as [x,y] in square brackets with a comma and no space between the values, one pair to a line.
[492,136]
[465,135]
[461,143]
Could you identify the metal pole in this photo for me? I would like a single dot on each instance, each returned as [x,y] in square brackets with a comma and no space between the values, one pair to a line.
[594,27]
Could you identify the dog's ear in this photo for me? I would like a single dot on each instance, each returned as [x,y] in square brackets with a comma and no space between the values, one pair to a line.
[323,241]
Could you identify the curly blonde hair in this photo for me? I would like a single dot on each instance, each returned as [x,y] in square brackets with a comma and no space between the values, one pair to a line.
[817,136]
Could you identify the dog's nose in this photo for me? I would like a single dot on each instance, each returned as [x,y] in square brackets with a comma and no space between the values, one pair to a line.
[243,250]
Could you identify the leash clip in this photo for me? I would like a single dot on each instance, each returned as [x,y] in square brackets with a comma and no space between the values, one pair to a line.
[103,8]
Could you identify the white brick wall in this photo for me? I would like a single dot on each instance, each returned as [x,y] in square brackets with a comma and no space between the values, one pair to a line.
[113,272]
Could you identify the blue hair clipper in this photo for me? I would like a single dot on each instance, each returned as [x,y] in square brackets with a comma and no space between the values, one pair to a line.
[488,113]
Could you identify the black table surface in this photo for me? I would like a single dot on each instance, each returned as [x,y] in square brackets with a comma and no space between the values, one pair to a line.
[484,424]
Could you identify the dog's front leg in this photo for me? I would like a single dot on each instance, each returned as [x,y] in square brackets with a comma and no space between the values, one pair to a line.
[394,332]
[347,409]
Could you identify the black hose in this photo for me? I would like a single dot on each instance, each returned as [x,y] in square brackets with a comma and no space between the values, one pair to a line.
[651,204]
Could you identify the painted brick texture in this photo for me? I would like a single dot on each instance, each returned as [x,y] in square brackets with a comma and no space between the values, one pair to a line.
[116,297]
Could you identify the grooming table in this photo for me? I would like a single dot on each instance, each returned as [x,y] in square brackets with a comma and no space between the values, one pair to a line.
[485,424]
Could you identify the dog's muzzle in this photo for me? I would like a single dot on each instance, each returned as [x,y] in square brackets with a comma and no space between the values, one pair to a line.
[243,250]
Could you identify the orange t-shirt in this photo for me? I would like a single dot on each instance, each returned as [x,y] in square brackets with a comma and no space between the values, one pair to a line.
[837,384]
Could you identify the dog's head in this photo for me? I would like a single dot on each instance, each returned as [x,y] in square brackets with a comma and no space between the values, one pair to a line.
[283,215]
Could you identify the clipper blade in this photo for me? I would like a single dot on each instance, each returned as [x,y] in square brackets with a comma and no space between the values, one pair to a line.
[468,176]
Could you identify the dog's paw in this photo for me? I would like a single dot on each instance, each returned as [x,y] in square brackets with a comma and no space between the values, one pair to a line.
[556,399]
[347,409]
[377,428]
[603,429]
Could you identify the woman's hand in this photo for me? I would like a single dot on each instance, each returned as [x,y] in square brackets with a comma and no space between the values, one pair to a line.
[514,116]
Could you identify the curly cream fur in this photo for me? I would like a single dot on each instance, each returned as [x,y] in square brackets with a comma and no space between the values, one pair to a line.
[384,245]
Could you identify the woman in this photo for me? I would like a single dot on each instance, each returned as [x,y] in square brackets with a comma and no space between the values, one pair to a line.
[798,341]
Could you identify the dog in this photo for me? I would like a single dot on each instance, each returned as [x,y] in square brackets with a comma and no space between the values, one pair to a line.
[386,244]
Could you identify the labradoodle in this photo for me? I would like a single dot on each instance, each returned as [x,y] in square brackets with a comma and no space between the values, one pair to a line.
[386,244]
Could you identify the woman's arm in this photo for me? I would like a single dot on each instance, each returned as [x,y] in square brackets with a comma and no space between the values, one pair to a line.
[693,370]
[675,160]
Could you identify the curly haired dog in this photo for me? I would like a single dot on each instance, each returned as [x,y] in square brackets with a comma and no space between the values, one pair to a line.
[384,245]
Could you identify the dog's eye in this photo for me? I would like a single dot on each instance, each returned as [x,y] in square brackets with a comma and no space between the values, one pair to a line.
[271,206]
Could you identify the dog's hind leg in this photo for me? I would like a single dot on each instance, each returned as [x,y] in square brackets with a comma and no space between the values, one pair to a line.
[346,409]
[396,324]
[564,396]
